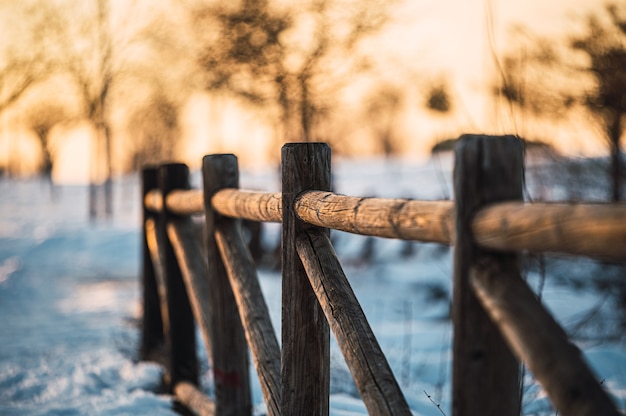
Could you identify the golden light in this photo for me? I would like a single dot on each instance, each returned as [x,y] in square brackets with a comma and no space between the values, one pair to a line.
[455,39]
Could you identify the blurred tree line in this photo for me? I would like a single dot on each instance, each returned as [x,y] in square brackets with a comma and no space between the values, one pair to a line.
[586,72]
[67,63]
[128,68]
[129,77]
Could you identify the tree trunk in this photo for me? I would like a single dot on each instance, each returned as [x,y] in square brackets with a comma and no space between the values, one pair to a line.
[305,110]
[615,133]
[616,171]
[93,175]
[108,183]
[47,163]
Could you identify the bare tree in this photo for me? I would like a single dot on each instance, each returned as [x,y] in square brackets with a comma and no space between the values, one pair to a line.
[292,59]
[381,113]
[544,79]
[438,98]
[24,57]
[535,79]
[112,58]
[92,68]
[605,48]
[16,77]
[155,129]
[97,52]
[41,119]
[77,43]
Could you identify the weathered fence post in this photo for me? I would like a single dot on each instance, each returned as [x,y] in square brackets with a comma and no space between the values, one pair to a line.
[485,373]
[152,335]
[183,365]
[229,348]
[305,359]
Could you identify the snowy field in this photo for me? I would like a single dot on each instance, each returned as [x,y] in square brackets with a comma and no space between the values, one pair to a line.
[70,296]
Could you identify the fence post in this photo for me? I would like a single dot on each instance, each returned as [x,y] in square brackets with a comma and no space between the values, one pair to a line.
[229,348]
[305,359]
[183,361]
[485,377]
[152,335]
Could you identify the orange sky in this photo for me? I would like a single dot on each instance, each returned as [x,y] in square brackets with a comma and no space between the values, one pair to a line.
[432,38]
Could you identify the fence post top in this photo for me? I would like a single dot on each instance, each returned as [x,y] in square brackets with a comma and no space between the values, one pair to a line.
[215,156]
[312,154]
[173,165]
[219,171]
[226,164]
[468,137]
[149,168]
[503,143]
[305,144]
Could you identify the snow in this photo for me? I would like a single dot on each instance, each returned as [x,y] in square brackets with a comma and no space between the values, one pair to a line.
[70,296]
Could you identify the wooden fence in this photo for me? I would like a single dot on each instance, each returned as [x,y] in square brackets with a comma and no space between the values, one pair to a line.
[209,278]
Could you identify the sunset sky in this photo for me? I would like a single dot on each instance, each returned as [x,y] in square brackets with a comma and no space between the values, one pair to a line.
[434,39]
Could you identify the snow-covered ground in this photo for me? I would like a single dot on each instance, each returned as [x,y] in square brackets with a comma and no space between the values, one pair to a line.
[70,295]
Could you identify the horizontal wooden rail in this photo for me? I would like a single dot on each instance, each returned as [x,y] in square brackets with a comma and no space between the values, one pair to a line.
[594,230]
[234,203]
[185,202]
[153,201]
[179,201]
[590,229]
[249,205]
[428,221]
[538,341]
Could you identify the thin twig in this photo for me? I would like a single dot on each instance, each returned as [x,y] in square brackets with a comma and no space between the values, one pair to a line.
[435,403]
[443,184]
[542,276]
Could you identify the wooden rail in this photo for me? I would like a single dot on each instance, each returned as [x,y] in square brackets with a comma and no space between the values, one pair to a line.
[596,230]
[593,230]
[497,319]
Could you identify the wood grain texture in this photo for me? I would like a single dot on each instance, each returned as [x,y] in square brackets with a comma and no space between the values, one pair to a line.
[367,363]
[594,230]
[194,400]
[249,205]
[194,268]
[305,355]
[539,341]
[185,202]
[230,351]
[487,170]
[252,310]
[588,229]
[427,221]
